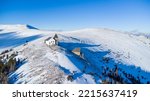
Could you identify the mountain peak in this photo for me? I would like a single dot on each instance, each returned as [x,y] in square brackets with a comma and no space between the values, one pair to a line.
[17,26]
[30,27]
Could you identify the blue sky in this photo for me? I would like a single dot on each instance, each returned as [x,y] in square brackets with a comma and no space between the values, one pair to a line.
[124,15]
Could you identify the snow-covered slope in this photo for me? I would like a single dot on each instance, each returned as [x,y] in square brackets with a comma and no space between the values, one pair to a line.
[16,35]
[107,55]
[17,27]
[127,45]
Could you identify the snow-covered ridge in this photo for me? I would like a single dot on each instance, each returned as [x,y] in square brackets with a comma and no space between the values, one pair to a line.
[16,35]
[103,50]
[17,26]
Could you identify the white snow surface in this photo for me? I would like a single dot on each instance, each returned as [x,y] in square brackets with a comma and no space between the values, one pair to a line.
[138,47]
[44,64]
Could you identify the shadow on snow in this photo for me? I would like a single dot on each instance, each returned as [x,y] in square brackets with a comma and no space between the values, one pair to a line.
[13,77]
[95,64]
[11,39]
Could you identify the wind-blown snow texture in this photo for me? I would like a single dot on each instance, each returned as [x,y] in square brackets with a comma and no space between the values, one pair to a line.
[102,51]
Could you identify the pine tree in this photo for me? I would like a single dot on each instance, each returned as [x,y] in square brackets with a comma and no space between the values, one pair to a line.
[11,64]
[1,66]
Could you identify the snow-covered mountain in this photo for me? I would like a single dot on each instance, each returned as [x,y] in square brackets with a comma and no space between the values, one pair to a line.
[106,56]
[17,27]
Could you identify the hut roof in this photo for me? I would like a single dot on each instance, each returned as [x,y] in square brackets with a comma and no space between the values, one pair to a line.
[55,36]
[48,38]
[76,50]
